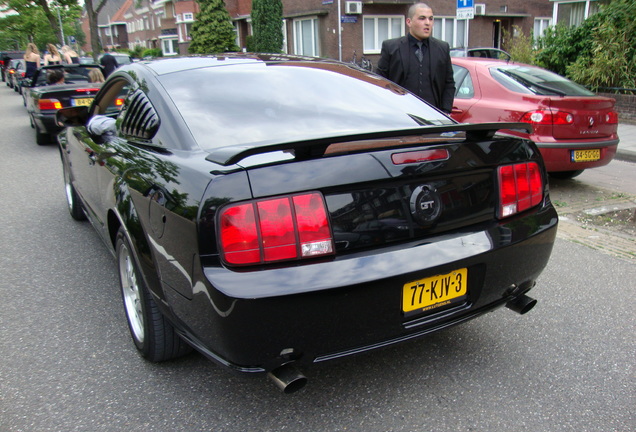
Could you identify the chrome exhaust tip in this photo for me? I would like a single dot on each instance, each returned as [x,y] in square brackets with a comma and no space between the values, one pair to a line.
[522,304]
[287,378]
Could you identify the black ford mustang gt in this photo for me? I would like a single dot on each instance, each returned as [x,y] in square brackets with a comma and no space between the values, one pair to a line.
[273,211]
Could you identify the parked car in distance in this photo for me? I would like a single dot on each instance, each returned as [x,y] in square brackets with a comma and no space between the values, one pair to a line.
[122,59]
[484,52]
[15,70]
[43,100]
[272,224]
[573,128]
[5,58]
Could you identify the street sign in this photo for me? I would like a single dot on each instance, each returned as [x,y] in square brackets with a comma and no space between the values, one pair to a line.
[465,9]
[466,13]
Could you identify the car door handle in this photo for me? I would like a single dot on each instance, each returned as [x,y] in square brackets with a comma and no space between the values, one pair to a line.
[457,111]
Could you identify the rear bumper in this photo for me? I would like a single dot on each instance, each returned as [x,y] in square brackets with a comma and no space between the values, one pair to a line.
[558,156]
[46,122]
[254,321]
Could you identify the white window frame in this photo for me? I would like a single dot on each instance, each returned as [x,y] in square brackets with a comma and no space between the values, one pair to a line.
[439,30]
[188,16]
[299,36]
[543,23]
[377,43]
[172,46]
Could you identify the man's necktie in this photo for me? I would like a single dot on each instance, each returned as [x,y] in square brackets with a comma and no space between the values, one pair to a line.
[418,52]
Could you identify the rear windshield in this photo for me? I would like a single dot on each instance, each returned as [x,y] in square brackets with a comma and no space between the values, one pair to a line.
[267,103]
[531,80]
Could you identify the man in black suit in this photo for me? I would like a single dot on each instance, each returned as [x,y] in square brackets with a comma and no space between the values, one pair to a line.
[108,62]
[419,62]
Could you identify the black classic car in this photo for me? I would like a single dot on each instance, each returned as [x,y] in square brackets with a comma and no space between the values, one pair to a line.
[43,98]
[274,212]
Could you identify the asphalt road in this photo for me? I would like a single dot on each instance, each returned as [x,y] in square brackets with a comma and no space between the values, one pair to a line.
[67,362]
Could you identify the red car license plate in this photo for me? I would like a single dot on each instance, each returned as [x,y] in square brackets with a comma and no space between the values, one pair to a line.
[590,155]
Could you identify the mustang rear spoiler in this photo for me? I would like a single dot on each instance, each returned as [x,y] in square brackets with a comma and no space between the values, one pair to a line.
[231,155]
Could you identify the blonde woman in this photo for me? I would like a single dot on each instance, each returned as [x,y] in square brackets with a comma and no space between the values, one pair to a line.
[95,76]
[32,60]
[69,55]
[53,57]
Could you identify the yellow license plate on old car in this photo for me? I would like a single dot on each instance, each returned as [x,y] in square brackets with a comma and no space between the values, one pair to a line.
[82,101]
[434,292]
[589,155]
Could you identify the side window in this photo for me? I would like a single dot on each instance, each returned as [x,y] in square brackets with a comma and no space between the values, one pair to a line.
[463,83]
[138,117]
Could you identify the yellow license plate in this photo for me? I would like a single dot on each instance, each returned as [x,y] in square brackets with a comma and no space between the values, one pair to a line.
[434,292]
[82,101]
[586,155]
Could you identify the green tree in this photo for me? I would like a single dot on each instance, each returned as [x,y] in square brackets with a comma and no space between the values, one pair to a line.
[518,45]
[267,22]
[601,52]
[38,22]
[212,32]
[610,60]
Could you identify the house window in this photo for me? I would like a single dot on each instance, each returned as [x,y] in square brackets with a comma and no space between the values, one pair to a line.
[169,47]
[540,26]
[572,14]
[451,30]
[377,29]
[188,17]
[306,37]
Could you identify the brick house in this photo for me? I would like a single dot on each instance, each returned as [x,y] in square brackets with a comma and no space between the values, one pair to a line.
[311,26]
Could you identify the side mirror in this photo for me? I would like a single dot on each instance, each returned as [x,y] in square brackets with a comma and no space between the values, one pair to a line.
[72,116]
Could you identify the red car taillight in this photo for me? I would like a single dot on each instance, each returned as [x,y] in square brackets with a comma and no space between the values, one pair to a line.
[611,117]
[271,230]
[85,90]
[520,188]
[49,104]
[547,117]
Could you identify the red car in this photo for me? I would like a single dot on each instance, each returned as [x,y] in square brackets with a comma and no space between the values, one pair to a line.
[573,128]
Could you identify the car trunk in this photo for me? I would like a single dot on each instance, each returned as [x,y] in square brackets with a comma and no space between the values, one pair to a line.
[590,117]
[381,202]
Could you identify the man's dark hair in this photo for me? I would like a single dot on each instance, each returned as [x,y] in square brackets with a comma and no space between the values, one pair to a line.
[54,76]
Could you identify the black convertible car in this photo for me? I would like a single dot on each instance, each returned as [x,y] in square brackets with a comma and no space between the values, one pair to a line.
[274,212]
[42,98]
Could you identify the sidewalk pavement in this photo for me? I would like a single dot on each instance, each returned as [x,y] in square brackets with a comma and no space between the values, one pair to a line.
[627,145]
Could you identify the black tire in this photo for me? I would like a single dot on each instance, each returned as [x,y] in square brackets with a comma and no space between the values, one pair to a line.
[74,206]
[40,137]
[565,175]
[153,335]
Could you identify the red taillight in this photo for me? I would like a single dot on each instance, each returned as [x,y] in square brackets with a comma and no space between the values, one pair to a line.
[119,102]
[271,230]
[49,104]
[84,90]
[611,117]
[520,188]
[547,117]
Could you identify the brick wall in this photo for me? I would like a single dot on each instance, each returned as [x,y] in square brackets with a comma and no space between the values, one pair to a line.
[625,105]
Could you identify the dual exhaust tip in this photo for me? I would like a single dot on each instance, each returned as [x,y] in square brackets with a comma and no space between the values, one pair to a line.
[289,379]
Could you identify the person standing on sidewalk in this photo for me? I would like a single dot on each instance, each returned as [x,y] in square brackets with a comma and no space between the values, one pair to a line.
[419,62]
[108,62]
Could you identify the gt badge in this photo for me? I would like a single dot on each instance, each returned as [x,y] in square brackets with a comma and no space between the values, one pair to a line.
[425,204]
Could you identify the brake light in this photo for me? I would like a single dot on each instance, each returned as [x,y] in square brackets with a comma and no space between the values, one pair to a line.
[520,188]
[273,230]
[611,117]
[84,90]
[419,156]
[547,117]
[119,102]
[49,104]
